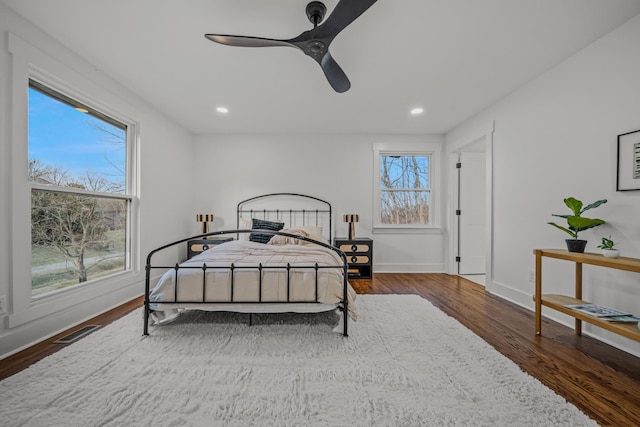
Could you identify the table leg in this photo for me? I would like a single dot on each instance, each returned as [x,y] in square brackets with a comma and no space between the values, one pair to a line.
[578,294]
[538,295]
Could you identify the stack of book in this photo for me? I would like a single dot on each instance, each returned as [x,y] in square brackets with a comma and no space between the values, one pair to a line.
[605,313]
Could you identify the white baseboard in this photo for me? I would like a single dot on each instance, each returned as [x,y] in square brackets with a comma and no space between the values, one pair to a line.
[510,294]
[408,268]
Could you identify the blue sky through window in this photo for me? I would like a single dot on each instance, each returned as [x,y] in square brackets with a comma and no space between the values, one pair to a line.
[61,136]
[397,172]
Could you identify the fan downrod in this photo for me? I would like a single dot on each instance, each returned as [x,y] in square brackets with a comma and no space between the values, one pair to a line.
[315,12]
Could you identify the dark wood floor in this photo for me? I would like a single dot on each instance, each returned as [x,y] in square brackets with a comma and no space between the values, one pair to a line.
[602,381]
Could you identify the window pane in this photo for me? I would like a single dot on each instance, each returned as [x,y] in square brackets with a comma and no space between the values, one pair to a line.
[405,207]
[404,172]
[71,145]
[75,238]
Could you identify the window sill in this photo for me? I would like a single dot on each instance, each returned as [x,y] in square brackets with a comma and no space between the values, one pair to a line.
[55,302]
[406,230]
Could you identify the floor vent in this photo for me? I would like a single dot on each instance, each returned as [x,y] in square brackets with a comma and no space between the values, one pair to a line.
[74,336]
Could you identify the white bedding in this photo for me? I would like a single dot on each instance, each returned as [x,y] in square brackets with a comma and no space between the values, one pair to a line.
[246,286]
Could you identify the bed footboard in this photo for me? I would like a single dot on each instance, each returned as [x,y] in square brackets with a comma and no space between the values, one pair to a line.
[235,272]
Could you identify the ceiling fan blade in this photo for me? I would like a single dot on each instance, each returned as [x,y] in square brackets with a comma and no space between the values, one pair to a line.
[245,41]
[345,12]
[336,77]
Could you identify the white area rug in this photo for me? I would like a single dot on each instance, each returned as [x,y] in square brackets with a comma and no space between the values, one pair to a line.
[406,363]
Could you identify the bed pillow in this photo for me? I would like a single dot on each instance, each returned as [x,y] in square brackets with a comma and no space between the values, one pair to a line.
[314,232]
[286,240]
[245,224]
[262,224]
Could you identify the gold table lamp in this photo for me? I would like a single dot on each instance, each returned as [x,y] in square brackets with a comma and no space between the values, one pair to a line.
[351,219]
[205,219]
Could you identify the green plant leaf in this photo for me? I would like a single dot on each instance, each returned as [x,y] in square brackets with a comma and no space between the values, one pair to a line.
[607,243]
[594,205]
[566,230]
[574,204]
[580,223]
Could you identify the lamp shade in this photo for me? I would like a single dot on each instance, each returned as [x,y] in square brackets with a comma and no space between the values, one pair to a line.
[351,218]
[205,219]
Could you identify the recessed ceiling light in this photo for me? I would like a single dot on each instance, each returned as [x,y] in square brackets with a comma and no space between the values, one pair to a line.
[417,110]
[82,110]
[223,110]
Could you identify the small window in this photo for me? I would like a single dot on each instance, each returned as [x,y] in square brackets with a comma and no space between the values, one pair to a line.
[404,187]
[80,209]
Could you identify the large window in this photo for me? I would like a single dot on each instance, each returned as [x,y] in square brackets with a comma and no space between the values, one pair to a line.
[80,206]
[404,186]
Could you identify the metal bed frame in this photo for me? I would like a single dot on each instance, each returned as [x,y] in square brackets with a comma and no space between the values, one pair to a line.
[242,209]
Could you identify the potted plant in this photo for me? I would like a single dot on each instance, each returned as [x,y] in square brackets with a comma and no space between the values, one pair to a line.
[577,223]
[608,249]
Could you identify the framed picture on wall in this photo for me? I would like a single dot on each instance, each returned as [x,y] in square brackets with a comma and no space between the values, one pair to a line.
[628,161]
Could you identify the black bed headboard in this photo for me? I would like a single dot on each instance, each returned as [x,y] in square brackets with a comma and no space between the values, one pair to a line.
[293,209]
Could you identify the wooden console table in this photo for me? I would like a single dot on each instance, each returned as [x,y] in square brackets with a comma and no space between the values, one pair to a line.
[558,302]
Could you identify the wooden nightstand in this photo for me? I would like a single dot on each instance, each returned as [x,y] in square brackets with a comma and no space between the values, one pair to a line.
[359,256]
[196,246]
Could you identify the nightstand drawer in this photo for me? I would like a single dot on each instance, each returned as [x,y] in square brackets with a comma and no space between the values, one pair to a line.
[200,247]
[197,246]
[354,259]
[354,248]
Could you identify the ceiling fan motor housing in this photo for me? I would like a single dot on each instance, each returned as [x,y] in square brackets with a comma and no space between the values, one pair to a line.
[315,48]
[315,12]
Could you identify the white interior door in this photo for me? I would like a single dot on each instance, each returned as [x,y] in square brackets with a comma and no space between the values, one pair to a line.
[472,212]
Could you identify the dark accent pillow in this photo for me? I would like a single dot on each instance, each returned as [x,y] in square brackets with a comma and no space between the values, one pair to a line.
[262,224]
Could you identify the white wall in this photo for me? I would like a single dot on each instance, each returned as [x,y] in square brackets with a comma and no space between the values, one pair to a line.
[165,155]
[337,168]
[554,138]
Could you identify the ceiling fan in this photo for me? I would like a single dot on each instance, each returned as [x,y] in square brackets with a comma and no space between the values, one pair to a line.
[315,42]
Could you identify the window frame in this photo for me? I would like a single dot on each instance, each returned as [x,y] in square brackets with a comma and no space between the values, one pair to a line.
[69,101]
[31,63]
[430,149]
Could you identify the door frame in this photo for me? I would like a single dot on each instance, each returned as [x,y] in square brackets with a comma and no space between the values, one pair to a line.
[486,136]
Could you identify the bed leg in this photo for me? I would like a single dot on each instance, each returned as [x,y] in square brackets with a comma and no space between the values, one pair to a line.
[146,320]
[250,319]
[344,320]
[345,325]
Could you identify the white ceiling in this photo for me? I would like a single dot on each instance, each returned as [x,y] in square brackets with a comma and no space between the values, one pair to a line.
[452,57]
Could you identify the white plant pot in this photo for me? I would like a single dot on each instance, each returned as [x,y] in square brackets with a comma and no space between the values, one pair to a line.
[611,253]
